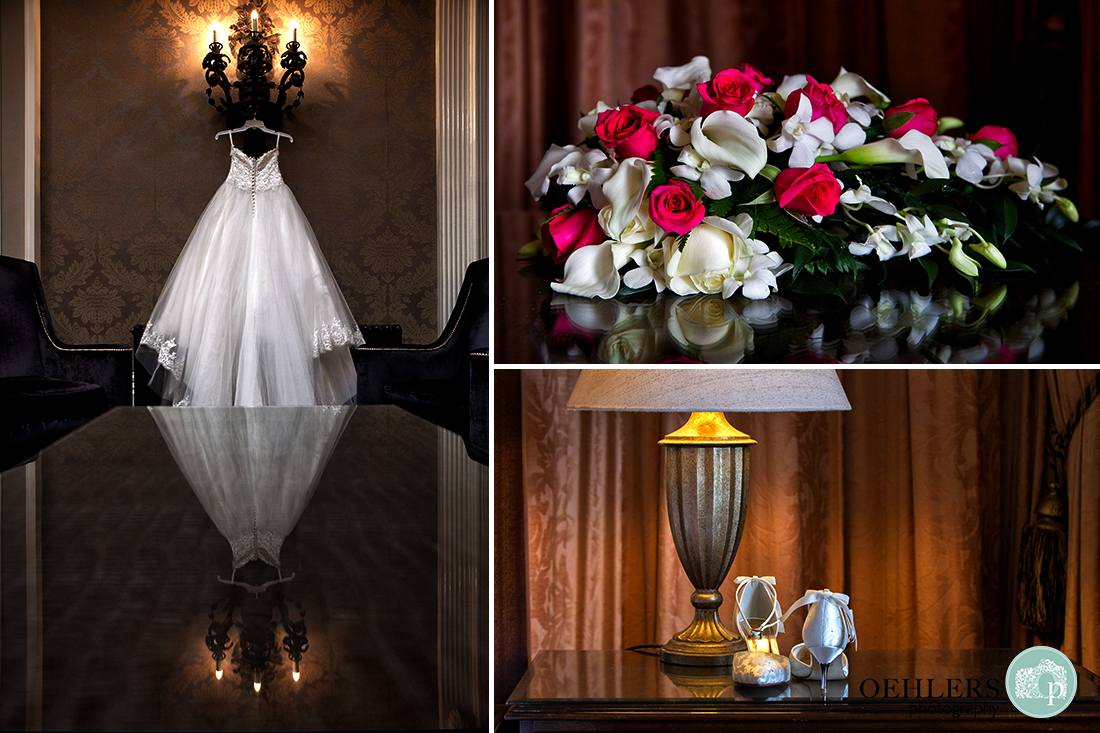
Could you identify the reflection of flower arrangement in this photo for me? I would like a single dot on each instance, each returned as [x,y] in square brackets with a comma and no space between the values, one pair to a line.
[1008,324]
[726,183]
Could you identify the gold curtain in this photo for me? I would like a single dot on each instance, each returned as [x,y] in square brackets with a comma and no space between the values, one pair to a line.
[913,503]
[1082,632]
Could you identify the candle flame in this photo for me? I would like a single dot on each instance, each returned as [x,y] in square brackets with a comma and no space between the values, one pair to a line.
[294,25]
[297,675]
[255,15]
[218,674]
[256,686]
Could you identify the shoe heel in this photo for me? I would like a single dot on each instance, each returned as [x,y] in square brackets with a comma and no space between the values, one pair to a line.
[824,654]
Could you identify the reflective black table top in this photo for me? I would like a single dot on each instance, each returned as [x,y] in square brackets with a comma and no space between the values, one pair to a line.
[940,689]
[1053,317]
[159,565]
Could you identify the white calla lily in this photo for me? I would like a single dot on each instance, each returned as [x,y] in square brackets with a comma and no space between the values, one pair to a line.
[850,86]
[726,138]
[625,218]
[684,77]
[590,272]
[912,147]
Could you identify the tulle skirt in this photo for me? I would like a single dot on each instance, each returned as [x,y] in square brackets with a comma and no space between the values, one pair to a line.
[251,314]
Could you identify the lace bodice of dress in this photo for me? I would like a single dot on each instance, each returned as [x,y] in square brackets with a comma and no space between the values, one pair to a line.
[254,174]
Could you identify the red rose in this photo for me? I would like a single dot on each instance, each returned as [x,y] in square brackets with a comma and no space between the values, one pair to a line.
[916,114]
[569,229]
[730,89]
[674,208]
[823,101]
[628,130]
[1002,136]
[759,81]
[812,191]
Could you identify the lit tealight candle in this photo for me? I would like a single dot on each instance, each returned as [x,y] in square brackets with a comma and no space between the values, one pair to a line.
[255,15]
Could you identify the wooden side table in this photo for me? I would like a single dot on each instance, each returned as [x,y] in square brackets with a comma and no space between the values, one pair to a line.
[896,690]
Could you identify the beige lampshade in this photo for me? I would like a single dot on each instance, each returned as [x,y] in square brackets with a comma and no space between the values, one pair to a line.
[738,389]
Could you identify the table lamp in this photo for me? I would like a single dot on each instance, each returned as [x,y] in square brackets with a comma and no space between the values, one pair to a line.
[707,469]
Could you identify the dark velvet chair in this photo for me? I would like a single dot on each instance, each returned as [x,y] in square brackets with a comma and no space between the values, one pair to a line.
[446,381]
[47,387]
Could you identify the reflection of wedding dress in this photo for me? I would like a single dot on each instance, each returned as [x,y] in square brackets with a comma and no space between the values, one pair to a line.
[253,471]
[251,314]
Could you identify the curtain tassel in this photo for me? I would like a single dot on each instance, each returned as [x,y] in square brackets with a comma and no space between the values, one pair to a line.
[1041,588]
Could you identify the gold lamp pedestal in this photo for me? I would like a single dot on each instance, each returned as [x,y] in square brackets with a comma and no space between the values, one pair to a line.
[707,470]
[706,480]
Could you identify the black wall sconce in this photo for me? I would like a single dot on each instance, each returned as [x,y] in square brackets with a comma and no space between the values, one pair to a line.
[254,43]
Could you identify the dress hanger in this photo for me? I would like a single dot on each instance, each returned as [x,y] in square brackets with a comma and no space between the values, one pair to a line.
[257,125]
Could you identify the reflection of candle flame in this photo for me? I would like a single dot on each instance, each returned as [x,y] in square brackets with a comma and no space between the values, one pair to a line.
[218,674]
[297,675]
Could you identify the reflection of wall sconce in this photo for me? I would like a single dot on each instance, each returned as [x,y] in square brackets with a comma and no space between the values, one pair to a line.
[254,45]
[256,654]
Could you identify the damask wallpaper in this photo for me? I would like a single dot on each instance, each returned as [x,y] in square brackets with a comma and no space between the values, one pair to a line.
[129,160]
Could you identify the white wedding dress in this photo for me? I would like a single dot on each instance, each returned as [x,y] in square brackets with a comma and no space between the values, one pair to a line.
[251,314]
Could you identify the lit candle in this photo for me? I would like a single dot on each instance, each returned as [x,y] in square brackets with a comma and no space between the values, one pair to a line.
[255,15]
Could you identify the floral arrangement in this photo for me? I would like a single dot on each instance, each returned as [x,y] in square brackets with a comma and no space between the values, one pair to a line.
[727,183]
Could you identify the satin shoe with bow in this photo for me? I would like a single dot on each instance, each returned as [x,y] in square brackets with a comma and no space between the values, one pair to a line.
[828,629]
[759,616]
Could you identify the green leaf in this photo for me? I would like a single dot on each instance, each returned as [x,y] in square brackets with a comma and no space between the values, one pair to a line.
[930,186]
[1013,266]
[896,120]
[1011,217]
[930,268]
[531,249]
[768,197]
[770,172]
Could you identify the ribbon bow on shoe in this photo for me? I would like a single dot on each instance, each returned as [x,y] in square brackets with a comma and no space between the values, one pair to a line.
[759,616]
[829,628]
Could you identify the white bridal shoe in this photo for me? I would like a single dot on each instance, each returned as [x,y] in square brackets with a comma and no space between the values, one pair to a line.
[805,667]
[759,617]
[829,627]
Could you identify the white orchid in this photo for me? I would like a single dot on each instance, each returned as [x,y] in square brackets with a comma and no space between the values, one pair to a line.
[650,268]
[582,170]
[970,159]
[1032,188]
[756,274]
[678,137]
[917,235]
[804,134]
[854,198]
[878,242]
[713,178]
